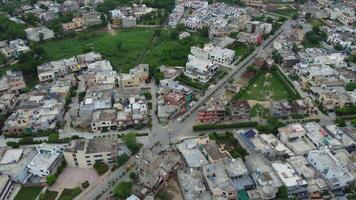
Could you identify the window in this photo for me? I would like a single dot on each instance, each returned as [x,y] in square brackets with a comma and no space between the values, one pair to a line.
[74,155]
[87,156]
[98,156]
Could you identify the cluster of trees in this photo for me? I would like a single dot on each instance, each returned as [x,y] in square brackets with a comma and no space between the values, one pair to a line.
[346,110]
[131,142]
[100,167]
[150,18]
[123,189]
[10,30]
[315,36]
[350,86]
[51,179]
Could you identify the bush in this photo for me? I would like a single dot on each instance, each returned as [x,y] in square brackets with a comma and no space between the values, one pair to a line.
[346,110]
[131,142]
[85,184]
[101,168]
[122,159]
[203,127]
[132,175]
[51,179]
[13,144]
[123,189]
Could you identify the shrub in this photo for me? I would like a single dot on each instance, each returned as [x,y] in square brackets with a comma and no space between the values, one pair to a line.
[51,179]
[123,189]
[85,184]
[101,168]
[132,175]
[223,126]
[13,144]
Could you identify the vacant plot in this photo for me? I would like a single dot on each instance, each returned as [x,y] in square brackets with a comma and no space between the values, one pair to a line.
[69,194]
[122,48]
[285,10]
[230,144]
[28,193]
[71,177]
[169,51]
[266,86]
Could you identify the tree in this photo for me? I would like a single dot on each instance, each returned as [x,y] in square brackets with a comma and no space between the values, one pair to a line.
[132,175]
[14,145]
[53,138]
[119,45]
[100,167]
[122,159]
[174,34]
[308,16]
[123,189]
[282,192]
[131,142]
[277,58]
[353,122]
[295,48]
[41,37]
[340,122]
[269,20]
[350,86]
[180,27]
[51,179]
[204,32]
[158,33]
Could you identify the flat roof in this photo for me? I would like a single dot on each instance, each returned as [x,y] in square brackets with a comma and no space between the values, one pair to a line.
[11,156]
[191,153]
[287,174]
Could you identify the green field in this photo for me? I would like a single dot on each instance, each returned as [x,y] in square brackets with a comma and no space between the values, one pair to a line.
[267,86]
[28,193]
[169,51]
[133,42]
[285,10]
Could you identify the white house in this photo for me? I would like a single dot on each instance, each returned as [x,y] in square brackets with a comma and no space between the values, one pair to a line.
[46,161]
[330,168]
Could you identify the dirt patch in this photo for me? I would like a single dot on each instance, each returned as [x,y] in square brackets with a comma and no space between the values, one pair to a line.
[72,177]
[171,190]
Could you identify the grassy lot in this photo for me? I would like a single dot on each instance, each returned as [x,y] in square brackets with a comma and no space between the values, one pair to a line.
[266,86]
[28,193]
[69,194]
[50,195]
[231,144]
[170,51]
[242,50]
[259,111]
[285,10]
[133,42]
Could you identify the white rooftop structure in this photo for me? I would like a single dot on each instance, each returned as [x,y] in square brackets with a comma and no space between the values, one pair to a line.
[330,168]
[11,156]
[191,153]
[319,136]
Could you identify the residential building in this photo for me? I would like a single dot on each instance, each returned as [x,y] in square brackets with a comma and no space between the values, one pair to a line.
[239,174]
[6,187]
[154,169]
[46,161]
[15,81]
[316,184]
[14,163]
[280,109]
[330,168]
[297,186]
[200,70]
[192,185]
[39,33]
[84,153]
[262,173]
[320,137]
[104,120]
[266,144]
[218,181]
[214,53]
[213,112]
[97,98]
[190,151]
[133,112]
[240,110]
[213,152]
[8,102]
[294,137]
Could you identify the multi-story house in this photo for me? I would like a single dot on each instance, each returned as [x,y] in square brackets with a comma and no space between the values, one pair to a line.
[84,153]
[240,110]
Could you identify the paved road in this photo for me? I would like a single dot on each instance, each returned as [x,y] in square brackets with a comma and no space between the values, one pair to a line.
[180,129]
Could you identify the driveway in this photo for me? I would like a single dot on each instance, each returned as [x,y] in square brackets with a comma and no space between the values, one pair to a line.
[72,177]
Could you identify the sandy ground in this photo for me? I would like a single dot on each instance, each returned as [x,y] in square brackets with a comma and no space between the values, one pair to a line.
[72,177]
